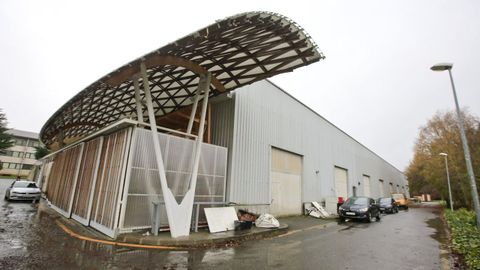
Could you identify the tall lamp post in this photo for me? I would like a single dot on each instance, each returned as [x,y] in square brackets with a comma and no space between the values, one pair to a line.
[466,151]
[445,155]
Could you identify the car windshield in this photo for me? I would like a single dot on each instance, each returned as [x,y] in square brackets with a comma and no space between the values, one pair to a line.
[397,196]
[356,201]
[24,185]
[385,200]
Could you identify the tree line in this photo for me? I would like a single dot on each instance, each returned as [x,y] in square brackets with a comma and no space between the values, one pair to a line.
[426,172]
[5,139]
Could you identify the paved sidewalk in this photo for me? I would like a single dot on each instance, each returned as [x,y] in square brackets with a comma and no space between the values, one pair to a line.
[200,239]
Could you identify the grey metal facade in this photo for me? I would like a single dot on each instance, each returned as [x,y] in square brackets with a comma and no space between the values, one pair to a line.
[260,116]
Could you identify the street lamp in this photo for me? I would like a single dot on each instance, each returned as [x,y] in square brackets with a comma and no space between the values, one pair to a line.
[448,180]
[471,176]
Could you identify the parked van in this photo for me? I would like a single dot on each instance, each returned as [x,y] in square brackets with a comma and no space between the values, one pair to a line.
[401,200]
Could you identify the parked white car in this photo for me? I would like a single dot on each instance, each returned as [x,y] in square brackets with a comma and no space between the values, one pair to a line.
[23,190]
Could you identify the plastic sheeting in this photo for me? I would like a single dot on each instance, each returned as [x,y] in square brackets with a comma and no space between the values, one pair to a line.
[267,221]
[177,152]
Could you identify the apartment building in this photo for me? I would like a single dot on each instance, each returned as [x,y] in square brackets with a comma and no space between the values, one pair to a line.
[19,160]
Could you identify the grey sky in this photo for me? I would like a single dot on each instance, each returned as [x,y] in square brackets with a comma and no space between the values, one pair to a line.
[375,83]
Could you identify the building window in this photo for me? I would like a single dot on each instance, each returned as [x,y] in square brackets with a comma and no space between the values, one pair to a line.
[11,165]
[33,143]
[20,142]
[27,167]
[18,154]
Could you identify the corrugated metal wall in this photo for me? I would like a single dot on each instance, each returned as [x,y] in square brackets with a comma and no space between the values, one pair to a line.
[264,116]
[222,127]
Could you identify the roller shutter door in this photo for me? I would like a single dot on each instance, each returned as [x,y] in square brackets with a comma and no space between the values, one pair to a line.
[286,180]
[341,187]
[381,188]
[366,185]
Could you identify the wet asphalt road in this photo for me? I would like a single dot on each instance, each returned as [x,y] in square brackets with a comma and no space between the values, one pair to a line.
[30,239]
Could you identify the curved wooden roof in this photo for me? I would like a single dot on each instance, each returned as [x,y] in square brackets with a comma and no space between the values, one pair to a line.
[238,50]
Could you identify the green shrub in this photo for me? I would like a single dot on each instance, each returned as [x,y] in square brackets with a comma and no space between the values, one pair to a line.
[465,235]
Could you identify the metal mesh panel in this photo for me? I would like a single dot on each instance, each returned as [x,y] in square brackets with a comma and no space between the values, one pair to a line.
[178,182]
[144,182]
[178,156]
[178,150]
[208,161]
[209,186]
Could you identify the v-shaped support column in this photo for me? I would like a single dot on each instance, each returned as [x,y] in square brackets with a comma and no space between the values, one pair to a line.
[179,215]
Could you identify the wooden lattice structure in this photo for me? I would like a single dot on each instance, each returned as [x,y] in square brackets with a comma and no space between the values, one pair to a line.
[237,51]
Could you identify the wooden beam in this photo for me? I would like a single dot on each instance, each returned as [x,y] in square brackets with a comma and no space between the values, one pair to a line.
[156,60]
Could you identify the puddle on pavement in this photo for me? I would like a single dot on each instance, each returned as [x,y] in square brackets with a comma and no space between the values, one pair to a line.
[350,224]
[348,227]
[439,234]
[441,237]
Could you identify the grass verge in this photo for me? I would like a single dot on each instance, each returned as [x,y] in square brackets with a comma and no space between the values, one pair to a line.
[465,235]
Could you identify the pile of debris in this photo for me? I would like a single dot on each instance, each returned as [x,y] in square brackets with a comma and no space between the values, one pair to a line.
[221,219]
[244,215]
[316,210]
[246,219]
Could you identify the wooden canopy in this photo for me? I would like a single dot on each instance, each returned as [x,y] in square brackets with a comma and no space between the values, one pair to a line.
[237,51]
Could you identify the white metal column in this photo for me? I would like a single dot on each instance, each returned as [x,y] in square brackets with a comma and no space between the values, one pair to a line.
[138,102]
[194,110]
[121,187]
[40,177]
[179,215]
[128,173]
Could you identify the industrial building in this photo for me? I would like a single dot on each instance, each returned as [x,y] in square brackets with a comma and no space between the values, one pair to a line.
[282,154]
[135,139]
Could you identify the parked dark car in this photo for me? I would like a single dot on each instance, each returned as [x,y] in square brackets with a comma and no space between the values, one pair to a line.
[23,190]
[363,208]
[388,205]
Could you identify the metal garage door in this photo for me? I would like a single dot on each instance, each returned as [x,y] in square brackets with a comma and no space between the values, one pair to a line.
[286,179]
[381,188]
[341,188]
[366,185]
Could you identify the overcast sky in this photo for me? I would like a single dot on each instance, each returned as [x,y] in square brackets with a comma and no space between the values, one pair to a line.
[375,83]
